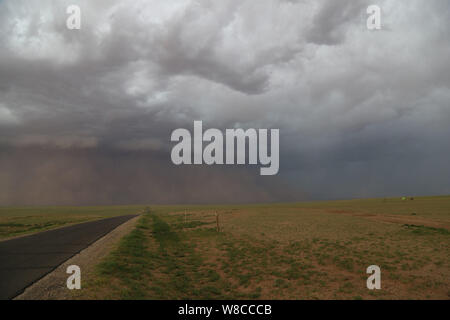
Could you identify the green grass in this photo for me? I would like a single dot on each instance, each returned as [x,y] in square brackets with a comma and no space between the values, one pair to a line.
[157,262]
[314,250]
[310,250]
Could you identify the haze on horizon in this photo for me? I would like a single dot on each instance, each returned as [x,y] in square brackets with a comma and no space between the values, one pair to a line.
[86,115]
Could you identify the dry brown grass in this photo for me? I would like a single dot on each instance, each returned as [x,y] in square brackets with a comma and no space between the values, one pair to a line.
[289,251]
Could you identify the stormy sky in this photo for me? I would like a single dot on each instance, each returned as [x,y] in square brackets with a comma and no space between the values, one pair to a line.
[86,115]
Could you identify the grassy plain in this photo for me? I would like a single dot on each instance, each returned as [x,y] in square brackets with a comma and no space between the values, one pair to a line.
[310,250]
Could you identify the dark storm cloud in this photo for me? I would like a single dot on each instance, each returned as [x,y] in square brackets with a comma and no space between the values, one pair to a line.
[86,115]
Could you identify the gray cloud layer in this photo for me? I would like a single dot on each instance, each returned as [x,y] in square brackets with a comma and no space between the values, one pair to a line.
[86,115]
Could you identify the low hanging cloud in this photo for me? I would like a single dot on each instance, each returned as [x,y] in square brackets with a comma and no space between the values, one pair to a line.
[360,113]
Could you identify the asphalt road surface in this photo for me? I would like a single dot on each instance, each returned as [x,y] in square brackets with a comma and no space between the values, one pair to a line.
[25,260]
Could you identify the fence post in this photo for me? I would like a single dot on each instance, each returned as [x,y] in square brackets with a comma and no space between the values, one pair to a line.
[217,221]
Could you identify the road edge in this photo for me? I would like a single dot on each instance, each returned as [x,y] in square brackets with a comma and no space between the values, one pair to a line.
[53,285]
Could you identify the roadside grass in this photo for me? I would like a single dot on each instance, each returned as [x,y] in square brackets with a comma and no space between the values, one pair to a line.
[282,251]
[16,221]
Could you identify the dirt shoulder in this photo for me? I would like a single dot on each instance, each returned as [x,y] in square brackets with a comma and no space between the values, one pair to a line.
[53,285]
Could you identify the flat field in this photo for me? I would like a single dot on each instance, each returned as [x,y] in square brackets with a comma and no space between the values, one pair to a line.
[310,250]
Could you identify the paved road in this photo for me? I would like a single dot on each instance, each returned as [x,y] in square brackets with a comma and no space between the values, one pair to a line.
[27,259]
